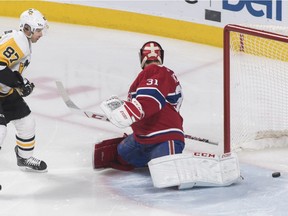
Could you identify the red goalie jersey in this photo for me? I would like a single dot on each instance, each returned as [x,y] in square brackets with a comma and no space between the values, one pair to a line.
[159,92]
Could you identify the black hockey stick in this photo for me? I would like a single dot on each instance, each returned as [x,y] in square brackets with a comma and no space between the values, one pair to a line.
[74,108]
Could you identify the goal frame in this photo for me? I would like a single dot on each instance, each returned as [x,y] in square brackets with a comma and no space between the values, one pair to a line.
[226,70]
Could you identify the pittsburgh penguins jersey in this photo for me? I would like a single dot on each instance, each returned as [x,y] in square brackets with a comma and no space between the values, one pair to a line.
[159,92]
[15,53]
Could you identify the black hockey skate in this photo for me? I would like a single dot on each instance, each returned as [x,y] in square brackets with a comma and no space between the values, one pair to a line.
[30,164]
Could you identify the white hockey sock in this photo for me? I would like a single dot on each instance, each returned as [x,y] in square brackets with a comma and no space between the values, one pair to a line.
[3,131]
[25,153]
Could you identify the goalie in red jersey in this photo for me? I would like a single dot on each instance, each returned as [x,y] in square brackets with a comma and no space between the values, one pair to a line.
[151,110]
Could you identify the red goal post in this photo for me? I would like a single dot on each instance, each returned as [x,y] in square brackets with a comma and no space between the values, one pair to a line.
[255,79]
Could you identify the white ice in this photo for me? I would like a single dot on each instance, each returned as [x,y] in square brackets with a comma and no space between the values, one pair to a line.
[93,64]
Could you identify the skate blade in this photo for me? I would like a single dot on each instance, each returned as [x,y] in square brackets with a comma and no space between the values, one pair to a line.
[28,169]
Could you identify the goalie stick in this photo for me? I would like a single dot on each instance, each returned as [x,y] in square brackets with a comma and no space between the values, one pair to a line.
[74,108]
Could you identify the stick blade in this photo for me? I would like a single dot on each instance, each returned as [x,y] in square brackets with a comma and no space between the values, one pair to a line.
[65,96]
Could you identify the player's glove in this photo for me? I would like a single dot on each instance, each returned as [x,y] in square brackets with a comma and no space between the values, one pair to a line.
[122,113]
[25,88]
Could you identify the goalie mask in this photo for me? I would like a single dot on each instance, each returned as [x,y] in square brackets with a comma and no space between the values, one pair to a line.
[151,51]
[32,20]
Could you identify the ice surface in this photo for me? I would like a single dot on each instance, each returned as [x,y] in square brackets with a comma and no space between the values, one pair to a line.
[93,64]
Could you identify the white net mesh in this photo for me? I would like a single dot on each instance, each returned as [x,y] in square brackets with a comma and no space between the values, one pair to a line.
[258,90]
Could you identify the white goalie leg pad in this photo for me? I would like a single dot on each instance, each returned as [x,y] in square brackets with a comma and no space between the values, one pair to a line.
[198,169]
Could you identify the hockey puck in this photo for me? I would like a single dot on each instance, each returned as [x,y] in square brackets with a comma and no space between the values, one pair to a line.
[191,1]
[276,174]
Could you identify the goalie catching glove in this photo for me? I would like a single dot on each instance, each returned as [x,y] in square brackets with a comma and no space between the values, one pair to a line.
[122,113]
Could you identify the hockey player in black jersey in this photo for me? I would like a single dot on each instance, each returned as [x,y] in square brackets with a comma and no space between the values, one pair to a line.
[15,55]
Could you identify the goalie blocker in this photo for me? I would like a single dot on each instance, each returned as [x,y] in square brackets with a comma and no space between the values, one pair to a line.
[198,169]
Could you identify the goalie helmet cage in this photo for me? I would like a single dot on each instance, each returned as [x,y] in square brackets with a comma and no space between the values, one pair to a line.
[255,84]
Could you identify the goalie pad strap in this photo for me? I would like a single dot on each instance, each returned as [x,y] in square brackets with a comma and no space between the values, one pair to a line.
[120,164]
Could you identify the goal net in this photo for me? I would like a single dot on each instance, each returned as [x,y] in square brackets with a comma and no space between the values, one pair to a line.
[255,87]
